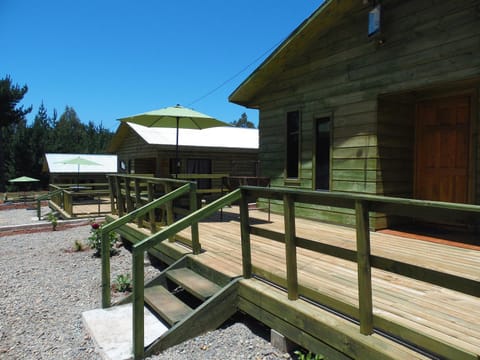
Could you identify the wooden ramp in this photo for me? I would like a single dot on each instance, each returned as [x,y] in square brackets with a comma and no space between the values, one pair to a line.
[444,322]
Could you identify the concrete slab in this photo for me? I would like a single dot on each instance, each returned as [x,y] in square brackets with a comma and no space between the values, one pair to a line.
[111,330]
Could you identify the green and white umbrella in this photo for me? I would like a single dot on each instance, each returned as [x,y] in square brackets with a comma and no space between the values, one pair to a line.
[23,180]
[177,117]
[78,160]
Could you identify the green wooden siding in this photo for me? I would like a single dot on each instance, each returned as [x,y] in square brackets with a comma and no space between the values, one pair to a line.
[154,159]
[370,91]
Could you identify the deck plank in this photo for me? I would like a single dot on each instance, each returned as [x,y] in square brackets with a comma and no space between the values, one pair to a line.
[450,316]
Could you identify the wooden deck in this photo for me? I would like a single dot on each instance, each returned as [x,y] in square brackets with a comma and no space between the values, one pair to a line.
[447,316]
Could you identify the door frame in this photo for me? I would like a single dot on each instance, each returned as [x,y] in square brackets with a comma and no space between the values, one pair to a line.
[472,95]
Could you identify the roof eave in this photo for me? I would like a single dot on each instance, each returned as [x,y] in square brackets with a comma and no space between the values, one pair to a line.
[249,89]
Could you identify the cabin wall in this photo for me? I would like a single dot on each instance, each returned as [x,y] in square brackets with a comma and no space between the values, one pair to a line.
[143,158]
[424,45]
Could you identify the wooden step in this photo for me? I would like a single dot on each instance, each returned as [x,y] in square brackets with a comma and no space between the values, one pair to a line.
[168,306]
[195,284]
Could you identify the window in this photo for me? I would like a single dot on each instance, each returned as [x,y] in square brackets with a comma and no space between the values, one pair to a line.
[293,144]
[322,154]
[200,166]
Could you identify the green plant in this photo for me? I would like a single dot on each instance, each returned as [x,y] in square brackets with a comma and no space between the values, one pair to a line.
[95,240]
[307,356]
[123,283]
[78,246]
[53,220]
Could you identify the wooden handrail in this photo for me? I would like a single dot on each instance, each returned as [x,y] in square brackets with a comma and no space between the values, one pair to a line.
[362,204]
[45,197]
[106,229]
[139,249]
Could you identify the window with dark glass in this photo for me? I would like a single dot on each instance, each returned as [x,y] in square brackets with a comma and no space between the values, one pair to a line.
[322,154]
[200,166]
[293,144]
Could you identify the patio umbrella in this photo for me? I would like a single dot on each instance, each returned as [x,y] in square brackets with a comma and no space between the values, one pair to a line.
[175,117]
[78,160]
[23,180]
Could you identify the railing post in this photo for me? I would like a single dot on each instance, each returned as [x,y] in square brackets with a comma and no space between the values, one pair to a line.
[105,256]
[120,198]
[364,268]
[111,185]
[196,248]
[39,210]
[290,247]
[151,213]
[138,201]
[128,196]
[169,205]
[68,202]
[245,236]
[138,304]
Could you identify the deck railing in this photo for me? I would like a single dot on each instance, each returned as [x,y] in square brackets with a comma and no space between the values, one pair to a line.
[361,204]
[139,249]
[50,195]
[63,197]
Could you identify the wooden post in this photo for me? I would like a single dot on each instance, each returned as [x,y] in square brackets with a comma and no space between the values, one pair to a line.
[105,255]
[151,213]
[245,236]
[364,268]
[111,186]
[128,195]
[68,202]
[196,247]
[39,210]
[290,247]
[169,205]
[138,304]
[120,198]
[138,201]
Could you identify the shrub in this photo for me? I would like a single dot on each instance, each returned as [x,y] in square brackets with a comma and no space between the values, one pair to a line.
[122,283]
[78,246]
[95,240]
[308,356]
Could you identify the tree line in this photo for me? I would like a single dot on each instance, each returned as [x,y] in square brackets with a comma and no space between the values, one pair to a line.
[23,146]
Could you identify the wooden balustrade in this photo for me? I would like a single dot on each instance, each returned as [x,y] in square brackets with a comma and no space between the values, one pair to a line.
[362,205]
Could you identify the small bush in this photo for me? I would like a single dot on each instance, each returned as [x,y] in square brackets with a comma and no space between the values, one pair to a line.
[123,283]
[307,356]
[95,240]
[78,246]
[53,220]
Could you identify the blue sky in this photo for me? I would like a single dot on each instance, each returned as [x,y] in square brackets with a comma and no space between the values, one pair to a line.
[110,59]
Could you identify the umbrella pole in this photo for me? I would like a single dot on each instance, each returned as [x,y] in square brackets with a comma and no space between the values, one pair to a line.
[176,151]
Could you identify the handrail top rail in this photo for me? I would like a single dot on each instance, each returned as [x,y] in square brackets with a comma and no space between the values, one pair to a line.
[46,196]
[273,192]
[149,178]
[145,208]
[185,222]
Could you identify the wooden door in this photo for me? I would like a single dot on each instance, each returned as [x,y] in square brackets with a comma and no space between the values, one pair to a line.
[442,150]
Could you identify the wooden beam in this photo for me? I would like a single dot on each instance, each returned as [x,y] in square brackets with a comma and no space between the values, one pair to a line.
[290,247]
[364,269]
[245,237]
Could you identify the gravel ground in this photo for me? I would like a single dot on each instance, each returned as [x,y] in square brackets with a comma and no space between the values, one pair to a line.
[46,286]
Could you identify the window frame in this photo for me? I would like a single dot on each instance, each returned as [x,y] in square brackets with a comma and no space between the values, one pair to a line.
[316,119]
[292,180]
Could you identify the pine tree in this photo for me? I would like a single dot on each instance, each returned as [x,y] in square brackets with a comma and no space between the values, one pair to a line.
[11,114]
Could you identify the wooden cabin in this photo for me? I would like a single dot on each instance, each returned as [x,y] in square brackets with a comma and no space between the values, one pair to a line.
[374,97]
[62,173]
[222,150]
